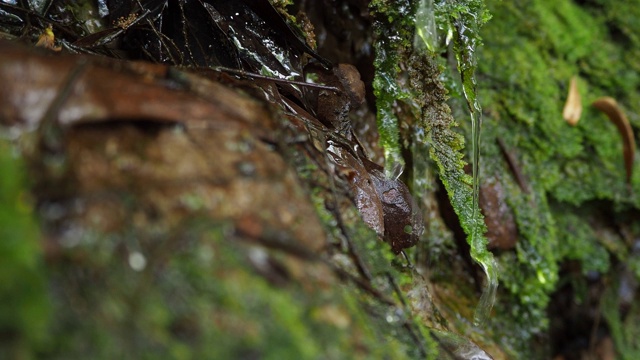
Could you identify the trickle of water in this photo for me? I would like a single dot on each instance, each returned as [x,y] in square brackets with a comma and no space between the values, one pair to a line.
[488,297]
[465,55]
[465,25]
[426,26]
[476,123]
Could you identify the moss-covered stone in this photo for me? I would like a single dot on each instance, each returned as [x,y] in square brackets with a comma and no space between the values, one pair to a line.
[531,50]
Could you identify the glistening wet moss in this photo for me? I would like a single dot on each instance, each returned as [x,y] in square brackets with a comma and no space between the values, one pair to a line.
[393,27]
[532,49]
[423,90]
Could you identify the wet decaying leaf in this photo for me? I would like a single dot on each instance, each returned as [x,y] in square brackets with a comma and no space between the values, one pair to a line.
[332,108]
[610,107]
[381,198]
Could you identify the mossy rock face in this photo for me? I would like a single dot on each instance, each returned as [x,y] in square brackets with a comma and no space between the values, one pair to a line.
[167,240]
[575,182]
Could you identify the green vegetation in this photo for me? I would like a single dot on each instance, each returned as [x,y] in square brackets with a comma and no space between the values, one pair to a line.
[394,30]
[425,93]
[24,305]
[199,291]
[531,51]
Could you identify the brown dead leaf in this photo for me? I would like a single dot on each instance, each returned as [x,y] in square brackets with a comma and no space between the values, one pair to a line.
[362,186]
[573,107]
[610,107]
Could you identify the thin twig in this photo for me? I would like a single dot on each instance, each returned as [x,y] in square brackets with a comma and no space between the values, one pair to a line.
[276,80]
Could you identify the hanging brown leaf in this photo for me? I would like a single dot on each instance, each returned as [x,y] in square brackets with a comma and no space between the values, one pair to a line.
[610,107]
[573,107]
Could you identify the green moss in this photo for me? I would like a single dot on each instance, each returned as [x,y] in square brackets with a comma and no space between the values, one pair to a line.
[625,330]
[394,29]
[423,92]
[199,296]
[24,310]
[578,241]
[560,29]
[531,51]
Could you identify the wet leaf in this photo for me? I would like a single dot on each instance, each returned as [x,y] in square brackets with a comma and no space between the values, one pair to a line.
[573,107]
[385,204]
[332,108]
[362,187]
[266,11]
[610,107]
[403,222]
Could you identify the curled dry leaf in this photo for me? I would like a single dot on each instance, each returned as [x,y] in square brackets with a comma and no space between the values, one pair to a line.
[47,40]
[573,107]
[610,107]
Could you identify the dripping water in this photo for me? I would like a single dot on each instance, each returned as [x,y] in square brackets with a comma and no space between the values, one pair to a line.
[465,54]
[465,46]
[426,34]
